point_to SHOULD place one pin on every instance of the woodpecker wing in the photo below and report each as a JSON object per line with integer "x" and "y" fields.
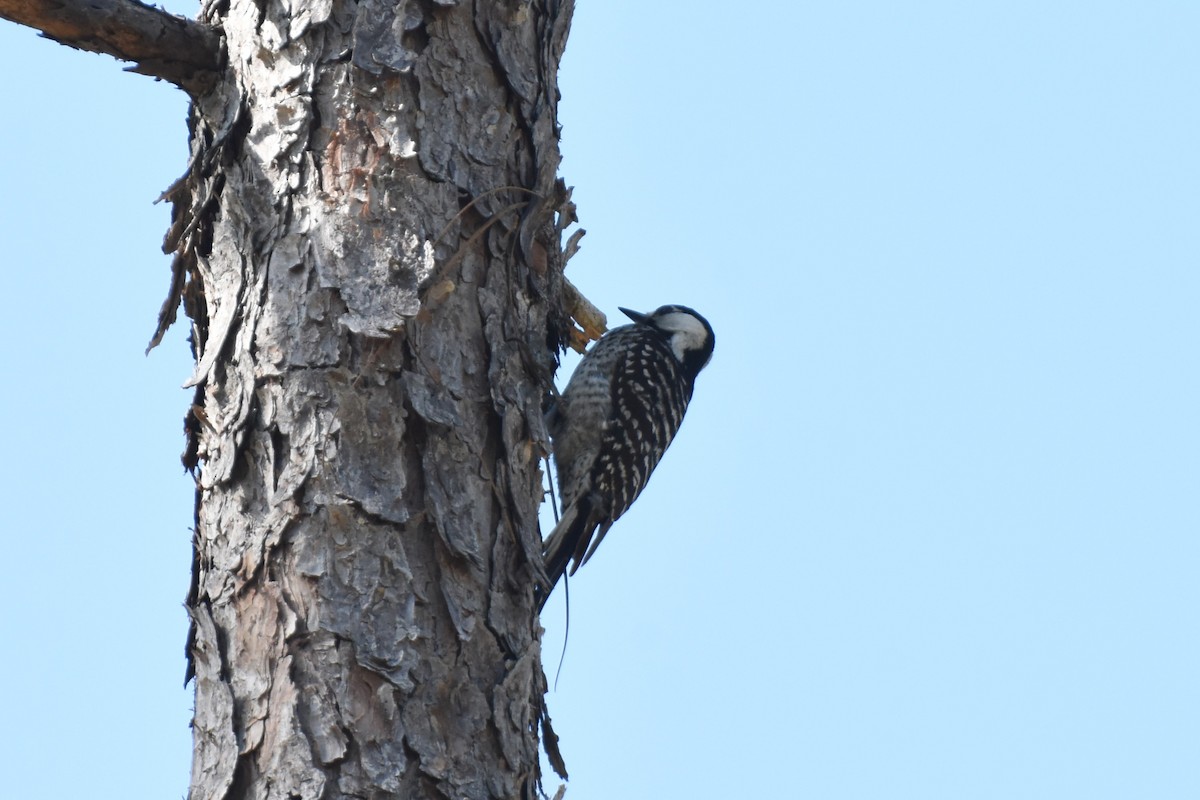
{"x": 649, "y": 397}
{"x": 582, "y": 412}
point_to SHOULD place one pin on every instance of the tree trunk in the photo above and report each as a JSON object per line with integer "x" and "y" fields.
{"x": 368, "y": 245}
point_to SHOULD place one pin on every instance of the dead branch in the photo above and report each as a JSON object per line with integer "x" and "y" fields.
{"x": 179, "y": 50}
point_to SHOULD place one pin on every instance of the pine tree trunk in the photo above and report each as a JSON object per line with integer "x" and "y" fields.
{"x": 368, "y": 246}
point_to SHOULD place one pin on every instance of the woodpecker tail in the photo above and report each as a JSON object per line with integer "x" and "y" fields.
{"x": 569, "y": 540}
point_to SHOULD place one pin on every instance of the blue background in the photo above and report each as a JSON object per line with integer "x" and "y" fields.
{"x": 930, "y": 528}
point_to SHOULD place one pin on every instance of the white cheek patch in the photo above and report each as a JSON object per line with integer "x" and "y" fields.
{"x": 688, "y": 334}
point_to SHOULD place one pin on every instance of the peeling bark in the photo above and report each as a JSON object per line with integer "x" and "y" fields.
{"x": 368, "y": 244}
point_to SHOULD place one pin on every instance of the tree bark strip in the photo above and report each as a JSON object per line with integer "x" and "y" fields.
{"x": 368, "y": 244}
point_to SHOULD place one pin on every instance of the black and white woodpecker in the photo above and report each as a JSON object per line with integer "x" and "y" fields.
{"x": 613, "y": 422}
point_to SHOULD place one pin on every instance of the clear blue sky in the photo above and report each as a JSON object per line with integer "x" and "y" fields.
{"x": 931, "y": 529}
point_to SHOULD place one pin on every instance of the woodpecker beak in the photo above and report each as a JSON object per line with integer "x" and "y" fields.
{"x": 636, "y": 316}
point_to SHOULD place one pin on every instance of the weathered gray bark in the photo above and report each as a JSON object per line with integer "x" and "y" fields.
{"x": 368, "y": 246}
{"x": 368, "y": 243}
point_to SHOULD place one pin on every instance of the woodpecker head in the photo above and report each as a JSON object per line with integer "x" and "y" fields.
{"x": 689, "y": 335}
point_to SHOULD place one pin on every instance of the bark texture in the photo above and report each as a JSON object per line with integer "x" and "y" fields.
{"x": 368, "y": 245}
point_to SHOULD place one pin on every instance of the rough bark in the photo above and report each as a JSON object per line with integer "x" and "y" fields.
{"x": 368, "y": 245}
{"x": 163, "y": 45}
